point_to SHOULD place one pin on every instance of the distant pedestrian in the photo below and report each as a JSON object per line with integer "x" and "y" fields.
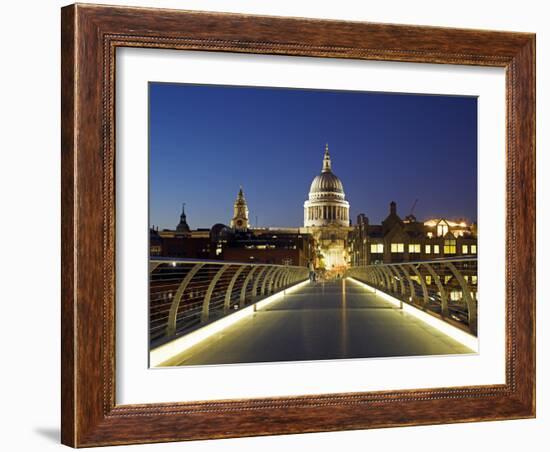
{"x": 311, "y": 272}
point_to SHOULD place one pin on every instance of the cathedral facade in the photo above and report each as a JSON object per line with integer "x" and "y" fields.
{"x": 326, "y": 218}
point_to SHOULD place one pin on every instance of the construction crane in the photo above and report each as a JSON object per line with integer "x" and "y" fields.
{"x": 413, "y": 206}
{"x": 410, "y": 218}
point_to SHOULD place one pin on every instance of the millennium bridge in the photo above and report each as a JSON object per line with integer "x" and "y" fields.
{"x": 216, "y": 312}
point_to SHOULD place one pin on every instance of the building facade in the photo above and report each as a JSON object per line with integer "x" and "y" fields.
{"x": 237, "y": 242}
{"x": 397, "y": 240}
{"x": 286, "y": 246}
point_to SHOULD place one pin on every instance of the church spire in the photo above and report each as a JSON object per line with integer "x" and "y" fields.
{"x": 327, "y": 166}
{"x": 183, "y": 226}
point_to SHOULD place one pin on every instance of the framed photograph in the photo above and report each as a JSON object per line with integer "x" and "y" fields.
{"x": 281, "y": 225}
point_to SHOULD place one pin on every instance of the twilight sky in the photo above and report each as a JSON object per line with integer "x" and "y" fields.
{"x": 207, "y": 140}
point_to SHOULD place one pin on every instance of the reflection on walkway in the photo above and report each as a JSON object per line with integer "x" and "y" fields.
{"x": 325, "y": 320}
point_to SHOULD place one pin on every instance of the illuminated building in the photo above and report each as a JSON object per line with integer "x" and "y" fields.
{"x": 326, "y": 217}
{"x": 327, "y": 239}
{"x": 326, "y": 205}
{"x": 397, "y": 240}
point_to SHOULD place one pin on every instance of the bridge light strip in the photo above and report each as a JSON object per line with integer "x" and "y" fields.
{"x": 164, "y": 354}
{"x": 453, "y": 332}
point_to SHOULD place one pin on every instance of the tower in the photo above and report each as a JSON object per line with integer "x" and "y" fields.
{"x": 239, "y": 222}
{"x": 183, "y": 227}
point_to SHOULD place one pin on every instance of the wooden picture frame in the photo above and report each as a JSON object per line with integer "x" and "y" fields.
{"x": 90, "y": 36}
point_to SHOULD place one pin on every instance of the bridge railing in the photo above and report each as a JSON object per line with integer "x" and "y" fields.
{"x": 446, "y": 287}
{"x": 187, "y": 294}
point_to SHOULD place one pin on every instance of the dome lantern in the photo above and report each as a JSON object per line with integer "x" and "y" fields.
{"x": 327, "y": 166}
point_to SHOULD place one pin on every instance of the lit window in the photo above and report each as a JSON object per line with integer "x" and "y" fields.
{"x": 436, "y": 249}
{"x": 449, "y": 247}
{"x": 428, "y": 279}
{"x": 442, "y": 229}
{"x": 464, "y": 249}
{"x": 414, "y": 248}
{"x": 456, "y": 295}
{"x": 428, "y": 249}
{"x": 397, "y": 247}
{"x": 473, "y": 249}
{"x": 377, "y": 248}
{"x": 474, "y": 279}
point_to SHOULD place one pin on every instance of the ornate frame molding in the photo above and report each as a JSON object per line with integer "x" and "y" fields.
{"x": 90, "y": 36}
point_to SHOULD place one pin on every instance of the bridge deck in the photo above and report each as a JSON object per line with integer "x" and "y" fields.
{"x": 339, "y": 319}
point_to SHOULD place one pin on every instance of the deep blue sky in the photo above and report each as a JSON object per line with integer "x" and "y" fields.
{"x": 205, "y": 141}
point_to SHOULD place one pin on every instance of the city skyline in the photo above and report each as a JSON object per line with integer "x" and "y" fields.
{"x": 206, "y": 141}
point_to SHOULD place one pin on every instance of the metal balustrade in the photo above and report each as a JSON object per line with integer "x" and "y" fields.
{"x": 187, "y": 294}
{"x": 446, "y": 287}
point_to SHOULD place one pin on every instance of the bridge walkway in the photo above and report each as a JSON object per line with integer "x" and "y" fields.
{"x": 323, "y": 320}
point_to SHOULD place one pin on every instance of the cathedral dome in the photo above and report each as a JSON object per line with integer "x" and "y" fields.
{"x": 326, "y": 182}
{"x": 327, "y": 205}
{"x": 326, "y": 185}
